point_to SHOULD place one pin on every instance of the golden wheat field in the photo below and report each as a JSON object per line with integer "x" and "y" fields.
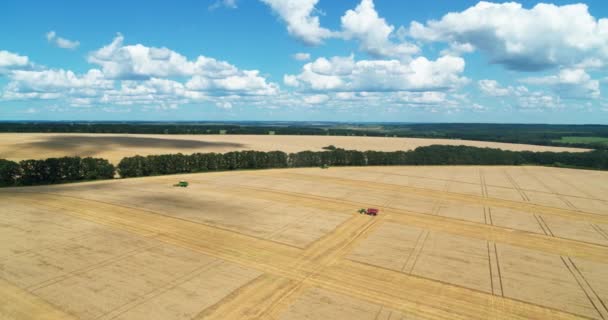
{"x": 20, "y": 146}
{"x": 460, "y": 242}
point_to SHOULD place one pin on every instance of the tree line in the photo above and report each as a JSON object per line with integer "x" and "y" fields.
{"x": 539, "y": 134}
{"x": 54, "y": 170}
{"x": 139, "y": 166}
{"x": 68, "y": 169}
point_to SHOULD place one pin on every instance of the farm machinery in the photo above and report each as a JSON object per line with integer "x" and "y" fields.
{"x": 369, "y": 211}
{"x": 181, "y": 184}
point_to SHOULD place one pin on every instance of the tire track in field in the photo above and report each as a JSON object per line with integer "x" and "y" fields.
{"x": 313, "y": 260}
{"x": 584, "y": 285}
{"x": 467, "y": 198}
{"x": 279, "y": 260}
{"x": 560, "y": 246}
{"x": 428, "y": 299}
{"x": 555, "y": 193}
{"x": 487, "y": 211}
{"x": 588, "y": 196}
{"x": 566, "y": 182}
{"x": 600, "y": 231}
{"x": 17, "y": 303}
{"x": 523, "y": 195}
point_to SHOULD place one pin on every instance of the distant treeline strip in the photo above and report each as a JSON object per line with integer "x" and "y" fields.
{"x": 54, "y": 170}
{"x": 539, "y": 134}
{"x": 139, "y": 166}
{"x": 69, "y": 169}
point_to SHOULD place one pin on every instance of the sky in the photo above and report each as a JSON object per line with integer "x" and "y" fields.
{"x": 305, "y": 60}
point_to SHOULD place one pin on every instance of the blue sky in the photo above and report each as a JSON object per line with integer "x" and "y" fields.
{"x": 349, "y": 60}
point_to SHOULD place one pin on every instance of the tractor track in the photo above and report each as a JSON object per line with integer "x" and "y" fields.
{"x": 287, "y": 264}
{"x": 467, "y": 198}
{"x": 562, "y": 246}
{"x": 587, "y": 197}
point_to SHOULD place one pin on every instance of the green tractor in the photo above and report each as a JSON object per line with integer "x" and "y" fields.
{"x": 181, "y": 184}
{"x": 325, "y": 166}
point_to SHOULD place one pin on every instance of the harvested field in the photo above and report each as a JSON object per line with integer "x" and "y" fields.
{"x": 20, "y": 146}
{"x": 464, "y": 242}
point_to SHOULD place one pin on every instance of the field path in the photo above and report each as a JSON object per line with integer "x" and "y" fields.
{"x": 282, "y": 275}
{"x": 286, "y": 268}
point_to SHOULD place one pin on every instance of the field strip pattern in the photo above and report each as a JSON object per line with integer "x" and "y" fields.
{"x": 530, "y": 207}
{"x": 296, "y": 268}
{"x": 282, "y": 273}
{"x": 20, "y": 304}
{"x": 449, "y": 225}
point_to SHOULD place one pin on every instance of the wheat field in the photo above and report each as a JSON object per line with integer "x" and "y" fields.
{"x": 114, "y": 147}
{"x": 454, "y": 242}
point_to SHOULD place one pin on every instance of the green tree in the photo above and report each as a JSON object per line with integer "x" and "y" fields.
{"x": 9, "y": 172}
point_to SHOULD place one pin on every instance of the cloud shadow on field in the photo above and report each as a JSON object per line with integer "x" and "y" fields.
{"x": 95, "y": 144}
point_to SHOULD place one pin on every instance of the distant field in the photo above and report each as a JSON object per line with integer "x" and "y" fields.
{"x": 450, "y": 242}
{"x": 584, "y": 140}
{"x": 19, "y": 146}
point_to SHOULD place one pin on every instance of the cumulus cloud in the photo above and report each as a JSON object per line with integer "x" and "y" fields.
{"x": 48, "y": 80}
{"x": 316, "y": 98}
{"x": 521, "y": 96}
{"x": 346, "y": 74}
{"x": 226, "y": 105}
{"x": 569, "y": 83}
{"x": 60, "y": 42}
{"x": 373, "y": 32}
{"x": 230, "y": 4}
{"x": 10, "y": 61}
{"x": 136, "y": 75}
{"x": 539, "y": 38}
{"x": 432, "y": 98}
{"x": 301, "y": 56}
{"x": 139, "y": 62}
{"x": 493, "y": 88}
{"x": 301, "y": 18}
{"x": 247, "y": 82}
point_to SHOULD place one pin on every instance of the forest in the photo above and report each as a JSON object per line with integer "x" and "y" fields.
{"x": 54, "y": 170}
{"x": 538, "y": 134}
{"x": 73, "y": 169}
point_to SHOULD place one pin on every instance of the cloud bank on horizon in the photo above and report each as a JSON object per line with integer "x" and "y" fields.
{"x": 541, "y": 59}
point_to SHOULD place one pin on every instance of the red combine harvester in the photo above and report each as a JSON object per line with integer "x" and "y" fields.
{"x": 369, "y": 211}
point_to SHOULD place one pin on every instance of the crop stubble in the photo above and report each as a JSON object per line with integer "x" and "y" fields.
{"x": 286, "y": 244}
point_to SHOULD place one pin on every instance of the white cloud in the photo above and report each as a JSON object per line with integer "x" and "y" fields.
{"x": 226, "y": 105}
{"x": 301, "y": 56}
{"x": 141, "y": 76}
{"x": 316, "y": 99}
{"x": 520, "y": 96}
{"x": 56, "y": 80}
{"x": 301, "y": 18}
{"x": 434, "y": 98}
{"x": 230, "y": 4}
{"x": 373, "y": 32}
{"x": 457, "y": 49}
{"x": 291, "y": 80}
{"x": 9, "y": 61}
{"x": 539, "y": 38}
{"x": 346, "y": 74}
{"x": 247, "y": 82}
{"x": 493, "y": 88}
{"x": 569, "y": 83}
{"x": 138, "y": 62}
{"x": 64, "y": 43}
{"x": 539, "y": 100}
